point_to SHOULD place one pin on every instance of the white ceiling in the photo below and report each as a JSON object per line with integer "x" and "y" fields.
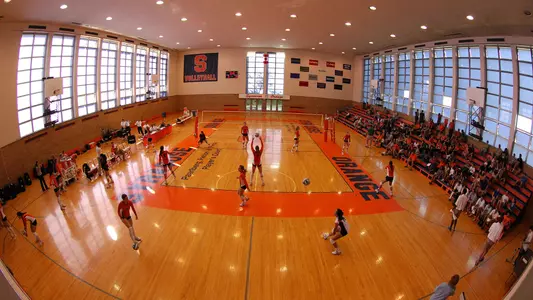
{"x": 267, "y": 20}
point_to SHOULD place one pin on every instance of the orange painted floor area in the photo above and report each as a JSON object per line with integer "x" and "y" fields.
{"x": 363, "y": 199}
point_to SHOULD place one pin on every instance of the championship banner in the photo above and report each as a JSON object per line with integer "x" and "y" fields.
{"x": 304, "y": 83}
{"x": 330, "y": 79}
{"x": 200, "y": 67}
{"x": 313, "y": 62}
{"x": 320, "y": 85}
{"x": 313, "y": 77}
{"x": 338, "y": 87}
{"x": 338, "y": 73}
{"x": 295, "y": 75}
{"x": 295, "y": 61}
{"x": 346, "y": 80}
{"x": 330, "y": 64}
{"x": 347, "y": 66}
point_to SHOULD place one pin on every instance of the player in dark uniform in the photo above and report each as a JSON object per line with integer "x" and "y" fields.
{"x": 340, "y": 230}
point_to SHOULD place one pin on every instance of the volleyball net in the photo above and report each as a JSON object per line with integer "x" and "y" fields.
{"x": 258, "y": 118}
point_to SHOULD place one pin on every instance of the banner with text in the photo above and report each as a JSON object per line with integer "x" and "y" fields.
{"x": 200, "y": 67}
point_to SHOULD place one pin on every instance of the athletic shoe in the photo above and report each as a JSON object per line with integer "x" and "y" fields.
{"x": 325, "y": 236}
{"x": 336, "y": 252}
{"x": 376, "y": 190}
{"x": 242, "y": 204}
{"x": 391, "y": 194}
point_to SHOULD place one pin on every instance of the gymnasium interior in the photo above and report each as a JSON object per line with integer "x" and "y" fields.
{"x": 385, "y": 110}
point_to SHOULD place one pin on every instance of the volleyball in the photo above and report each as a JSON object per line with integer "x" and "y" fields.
{"x": 257, "y": 134}
{"x": 306, "y": 181}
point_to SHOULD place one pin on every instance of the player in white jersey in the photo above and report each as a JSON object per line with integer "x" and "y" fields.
{"x": 389, "y": 177}
{"x": 27, "y": 218}
{"x": 340, "y": 229}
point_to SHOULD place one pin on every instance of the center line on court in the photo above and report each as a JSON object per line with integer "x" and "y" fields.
{"x": 249, "y": 258}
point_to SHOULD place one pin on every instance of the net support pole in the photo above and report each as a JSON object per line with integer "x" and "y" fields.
{"x": 326, "y": 129}
{"x": 196, "y": 126}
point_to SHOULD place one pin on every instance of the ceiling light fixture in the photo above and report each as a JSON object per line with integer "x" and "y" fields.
{"x": 320, "y": 43}
{"x": 7, "y": 1}
{"x": 392, "y": 35}
{"x": 210, "y": 40}
{"x": 293, "y": 16}
{"x": 159, "y": 2}
{"x": 470, "y": 17}
{"x": 284, "y": 40}
{"x": 160, "y": 36}
{"x": 331, "y": 34}
{"x": 348, "y": 24}
{"x": 109, "y": 18}
{"x": 64, "y": 6}
{"x": 287, "y": 29}
{"x": 244, "y": 28}
{"x": 238, "y": 14}
{"x": 188, "y": 47}
{"x": 177, "y": 43}
{"x": 200, "y": 30}
{"x": 281, "y": 46}
{"x": 424, "y": 27}
{"x": 343, "y": 52}
{"x": 183, "y": 19}
{"x": 312, "y": 48}
{"x": 248, "y": 38}
{"x": 354, "y": 48}
{"x": 218, "y": 45}
{"x": 372, "y": 7}
{"x": 139, "y": 28}
{"x": 371, "y": 43}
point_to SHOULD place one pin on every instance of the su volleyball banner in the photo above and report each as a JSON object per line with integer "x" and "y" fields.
{"x": 200, "y": 67}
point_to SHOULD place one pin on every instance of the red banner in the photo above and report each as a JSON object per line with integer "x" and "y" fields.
{"x": 330, "y": 64}
{"x": 304, "y": 83}
{"x": 313, "y": 62}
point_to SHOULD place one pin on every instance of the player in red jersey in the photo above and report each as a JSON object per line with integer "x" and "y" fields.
{"x": 57, "y": 189}
{"x": 5, "y": 222}
{"x": 257, "y": 161}
{"x": 33, "y": 226}
{"x": 244, "y": 132}
{"x": 346, "y": 145}
{"x": 124, "y": 213}
{"x": 164, "y": 158}
{"x": 389, "y": 177}
{"x": 243, "y": 185}
{"x": 296, "y": 139}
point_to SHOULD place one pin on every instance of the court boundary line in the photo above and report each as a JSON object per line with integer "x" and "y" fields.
{"x": 246, "y": 290}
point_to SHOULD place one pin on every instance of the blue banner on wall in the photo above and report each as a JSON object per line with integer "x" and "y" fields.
{"x": 338, "y": 73}
{"x": 295, "y": 75}
{"x": 330, "y": 79}
{"x": 347, "y": 66}
{"x": 320, "y": 85}
{"x": 346, "y": 80}
{"x": 295, "y": 61}
{"x": 200, "y": 67}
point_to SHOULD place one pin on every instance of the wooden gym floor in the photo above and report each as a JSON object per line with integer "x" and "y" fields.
{"x": 198, "y": 243}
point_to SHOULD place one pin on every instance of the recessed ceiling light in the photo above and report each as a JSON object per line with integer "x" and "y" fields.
{"x": 312, "y": 48}
{"x": 7, "y": 1}
{"x": 424, "y": 27}
{"x": 371, "y": 43}
{"x": 210, "y": 40}
{"x": 469, "y": 17}
{"x": 342, "y": 52}
{"x": 64, "y": 6}
{"x": 293, "y": 16}
{"x": 244, "y": 28}
{"x": 348, "y": 24}
{"x": 199, "y": 30}
{"x": 392, "y": 35}
{"x": 354, "y": 48}
{"x": 218, "y": 45}
{"x": 320, "y": 43}
{"x": 188, "y": 47}
{"x": 284, "y": 40}
{"x": 287, "y": 29}
{"x": 281, "y": 46}
{"x": 184, "y": 19}
{"x": 372, "y": 7}
{"x": 160, "y": 36}
{"x": 331, "y": 34}
{"x": 177, "y": 43}
{"x": 238, "y": 14}
{"x": 109, "y": 18}
{"x": 248, "y": 38}
{"x": 159, "y": 2}
{"x": 139, "y": 28}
